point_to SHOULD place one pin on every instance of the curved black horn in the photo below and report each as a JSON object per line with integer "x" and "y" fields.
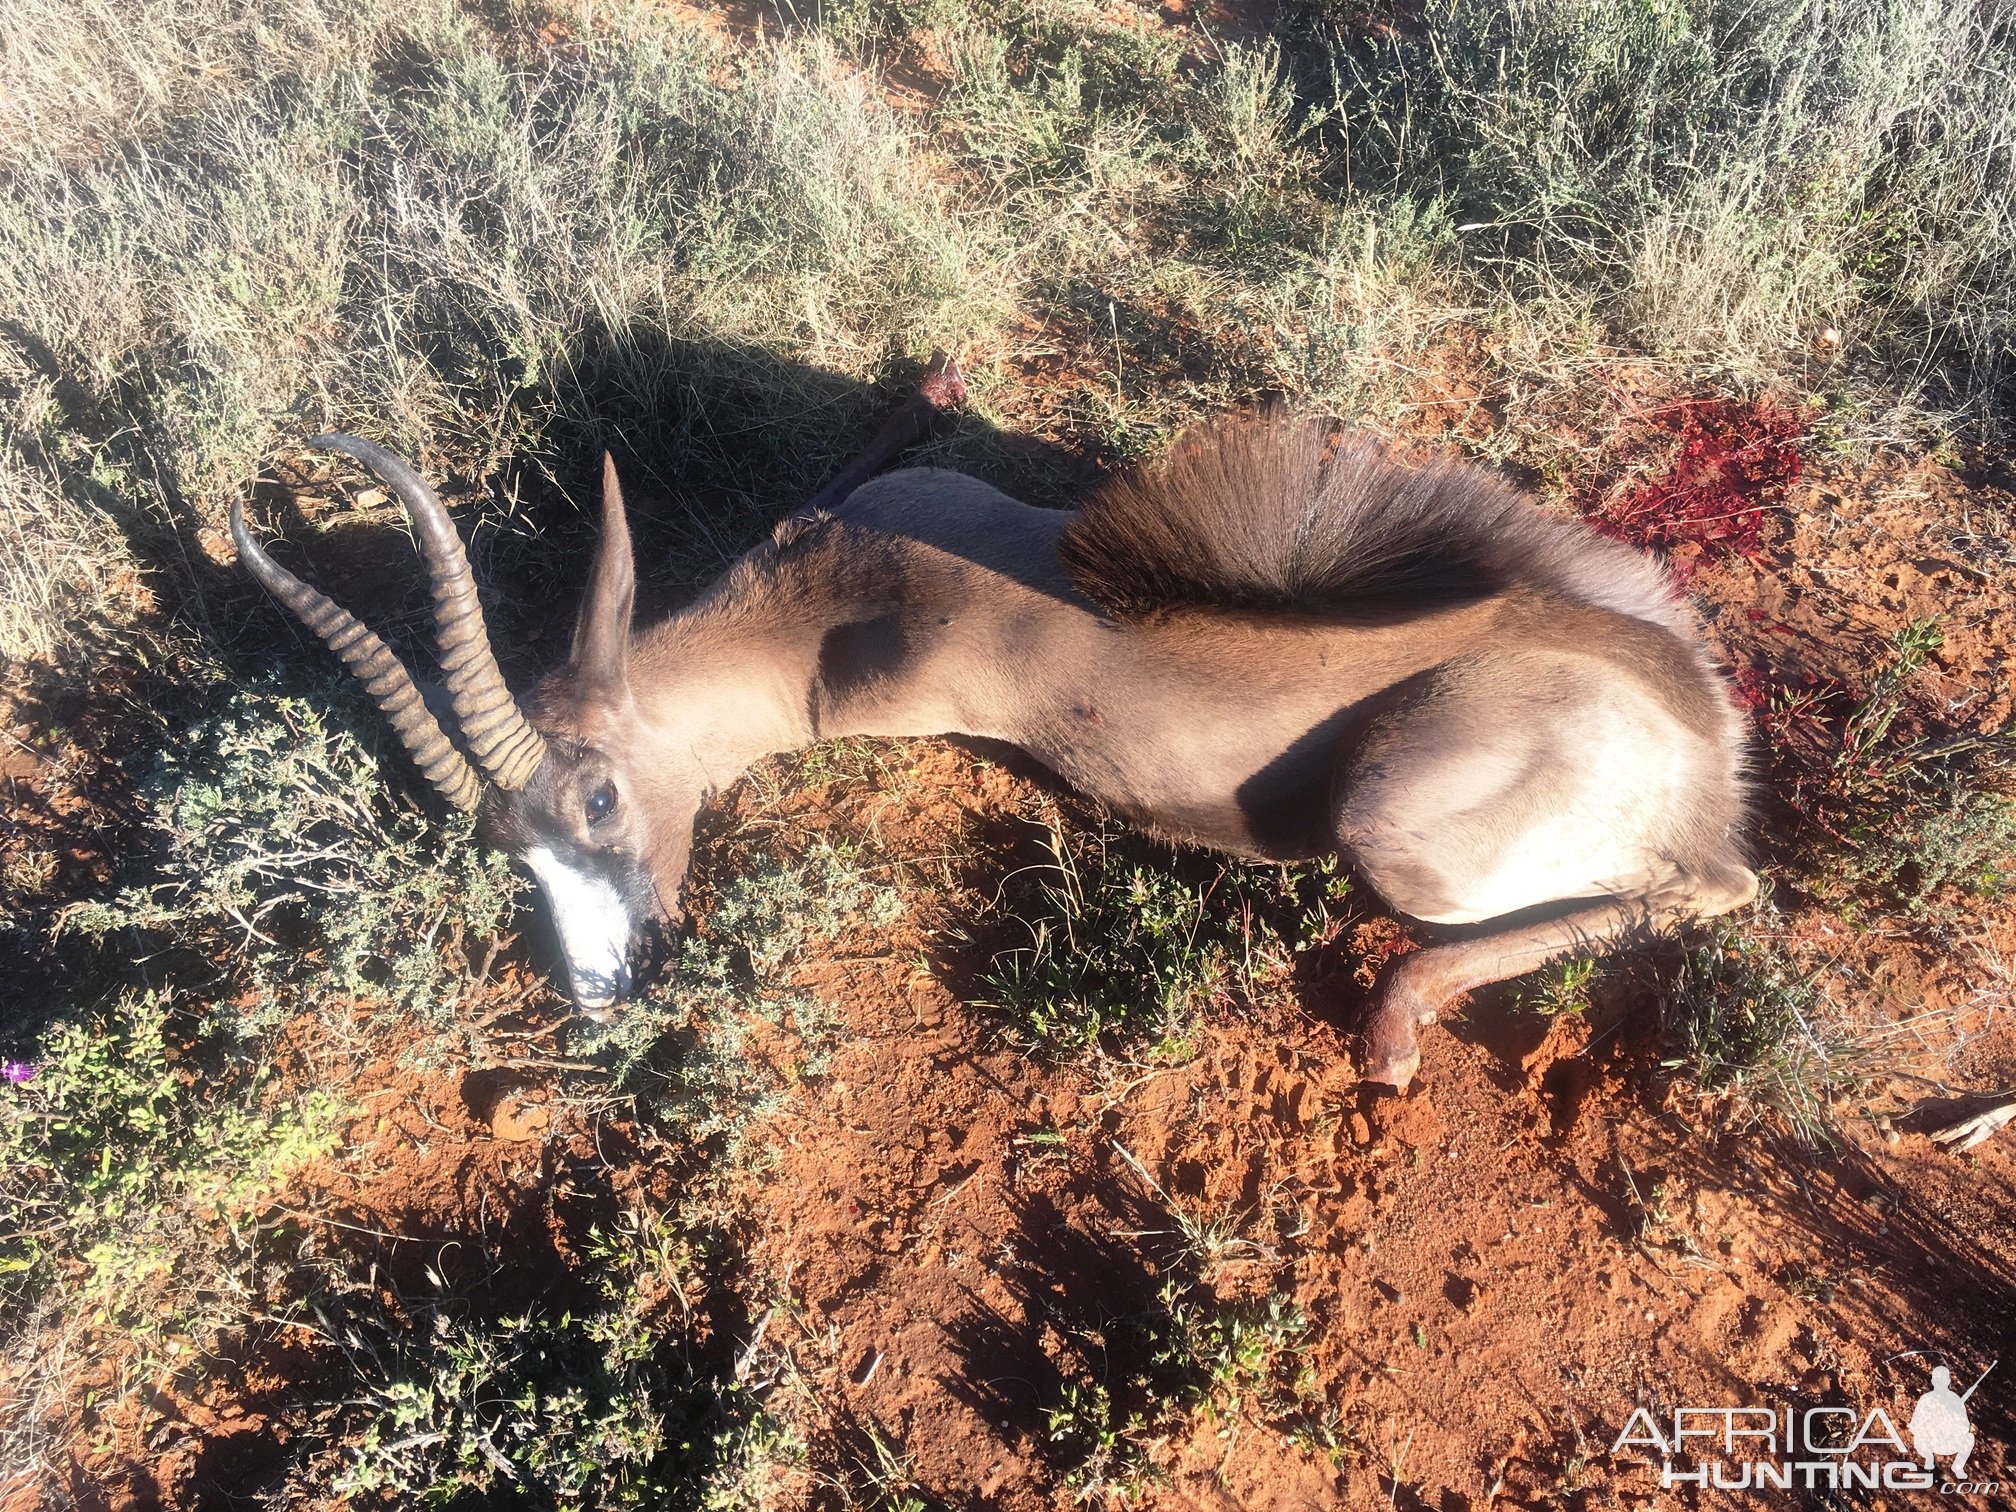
{"x": 495, "y": 729}
{"x": 374, "y": 665}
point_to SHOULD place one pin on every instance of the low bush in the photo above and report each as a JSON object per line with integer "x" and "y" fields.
{"x": 278, "y": 861}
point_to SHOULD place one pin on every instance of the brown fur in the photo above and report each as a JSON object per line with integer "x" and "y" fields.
{"x": 1272, "y": 514}
{"x": 1268, "y": 645}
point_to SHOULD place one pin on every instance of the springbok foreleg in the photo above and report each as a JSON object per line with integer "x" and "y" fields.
{"x": 941, "y": 391}
{"x": 1418, "y": 986}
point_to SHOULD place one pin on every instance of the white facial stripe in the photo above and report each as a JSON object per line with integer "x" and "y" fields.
{"x": 593, "y": 923}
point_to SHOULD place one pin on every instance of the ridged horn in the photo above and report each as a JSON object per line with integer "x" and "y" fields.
{"x": 493, "y": 727}
{"x": 384, "y": 677}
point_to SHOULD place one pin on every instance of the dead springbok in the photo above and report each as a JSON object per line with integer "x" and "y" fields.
{"x": 1274, "y": 644}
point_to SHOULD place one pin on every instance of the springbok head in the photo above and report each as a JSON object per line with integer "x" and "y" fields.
{"x": 550, "y": 788}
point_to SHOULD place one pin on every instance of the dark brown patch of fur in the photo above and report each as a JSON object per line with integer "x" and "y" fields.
{"x": 1263, "y": 514}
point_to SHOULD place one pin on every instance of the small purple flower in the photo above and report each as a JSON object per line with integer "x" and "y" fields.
{"x": 16, "y": 1072}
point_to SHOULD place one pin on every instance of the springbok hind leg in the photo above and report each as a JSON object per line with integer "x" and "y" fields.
{"x": 1417, "y": 986}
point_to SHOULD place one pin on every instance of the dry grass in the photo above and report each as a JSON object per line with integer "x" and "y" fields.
{"x": 227, "y": 226}
{"x": 1737, "y": 186}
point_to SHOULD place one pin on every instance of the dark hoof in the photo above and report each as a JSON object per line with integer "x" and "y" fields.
{"x": 1391, "y": 1056}
{"x": 1396, "y": 1072}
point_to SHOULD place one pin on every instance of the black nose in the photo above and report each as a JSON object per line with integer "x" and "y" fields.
{"x": 596, "y": 994}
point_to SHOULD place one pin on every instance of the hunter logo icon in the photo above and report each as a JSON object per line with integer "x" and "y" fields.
{"x": 1816, "y": 1446}
{"x": 1939, "y": 1425}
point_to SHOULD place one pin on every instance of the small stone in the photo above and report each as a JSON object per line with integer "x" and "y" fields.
{"x": 517, "y": 1120}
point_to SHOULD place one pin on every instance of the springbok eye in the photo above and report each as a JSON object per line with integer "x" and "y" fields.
{"x": 601, "y": 803}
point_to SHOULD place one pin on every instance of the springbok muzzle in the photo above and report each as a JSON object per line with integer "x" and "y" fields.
{"x": 594, "y": 926}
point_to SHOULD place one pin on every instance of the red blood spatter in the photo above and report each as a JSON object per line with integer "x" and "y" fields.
{"x": 1736, "y": 460}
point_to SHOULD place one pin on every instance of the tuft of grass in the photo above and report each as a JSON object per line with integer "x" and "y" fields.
{"x": 884, "y": 1479}
{"x": 1121, "y": 946}
{"x": 140, "y": 1171}
{"x": 1932, "y": 818}
{"x": 1235, "y": 1362}
{"x": 1871, "y": 759}
{"x": 1114, "y": 949}
{"x": 1958, "y": 839}
{"x": 279, "y": 865}
{"x": 1561, "y": 988}
{"x": 1757, "y": 1034}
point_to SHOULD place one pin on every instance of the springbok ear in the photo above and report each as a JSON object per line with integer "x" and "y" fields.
{"x": 602, "y": 633}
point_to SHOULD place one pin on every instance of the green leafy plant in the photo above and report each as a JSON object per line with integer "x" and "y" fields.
{"x": 1560, "y": 988}
{"x": 107, "y": 1157}
{"x": 1247, "y": 1359}
{"x": 1237, "y": 1363}
{"x": 1121, "y": 944}
{"x": 1104, "y": 1447}
{"x": 599, "y": 1405}
{"x": 684, "y": 1044}
{"x": 144, "y": 1176}
{"x": 567, "y": 1405}
{"x": 280, "y": 857}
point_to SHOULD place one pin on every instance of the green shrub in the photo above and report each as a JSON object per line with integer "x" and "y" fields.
{"x": 1560, "y": 988}
{"x": 597, "y": 1406}
{"x": 277, "y": 855}
{"x": 142, "y": 1178}
{"x": 684, "y": 1045}
{"x": 565, "y": 1404}
{"x": 1120, "y": 944}
{"x": 1954, "y": 835}
{"x": 115, "y": 1154}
